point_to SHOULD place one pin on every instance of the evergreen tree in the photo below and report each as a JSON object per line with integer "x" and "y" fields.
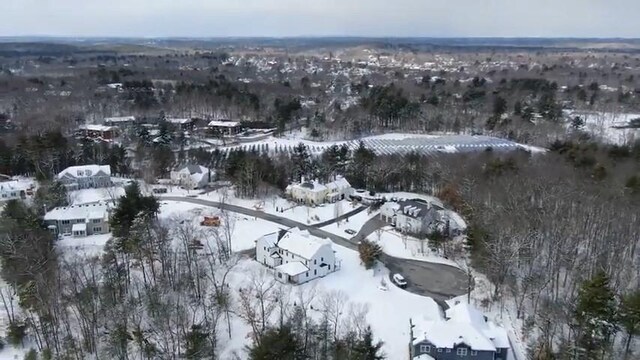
{"x": 301, "y": 161}
{"x": 365, "y": 349}
{"x": 131, "y": 206}
{"x": 277, "y": 344}
{"x": 197, "y": 346}
{"x": 629, "y": 316}
{"x": 369, "y": 253}
{"x": 595, "y": 314}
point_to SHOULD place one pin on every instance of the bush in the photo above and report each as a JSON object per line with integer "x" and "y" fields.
{"x": 16, "y": 333}
{"x": 369, "y": 253}
{"x": 31, "y": 355}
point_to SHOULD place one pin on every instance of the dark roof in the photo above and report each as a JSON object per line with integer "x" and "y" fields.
{"x": 422, "y": 208}
{"x": 307, "y": 185}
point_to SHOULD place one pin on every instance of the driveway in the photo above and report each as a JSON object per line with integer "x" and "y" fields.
{"x": 438, "y": 281}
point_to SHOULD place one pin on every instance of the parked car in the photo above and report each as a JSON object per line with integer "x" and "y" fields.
{"x": 399, "y": 280}
{"x": 350, "y": 231}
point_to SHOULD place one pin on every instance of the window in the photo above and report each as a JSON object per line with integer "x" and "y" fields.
{"x": 329, "y": 267}
{"x": 315, "y": 261}
{"x": 321, "y": 259}
{"x": 461, "y": 351}
{"x": 425, "y": 348}
{"x": 474, "y": 353}
{"x": 448, "y": 350}
{"x": 280, "y": 275}
{"x": 97, "y": 229}
{"x": 65, "y": 222}
{"x": 95, "y": 221}
{"x": 315, "y": 272}
{"x": 307, "y": 274}
{"x": 439, "y": 349}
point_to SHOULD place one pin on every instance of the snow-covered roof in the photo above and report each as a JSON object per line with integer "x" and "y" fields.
{"x": 178, "y": 121}
{"x": 292, "y": 268}
{"x": 464, "y": 325}
{"x": 79, "y": 227}
{"x": 94, "y": 127}
{"x": 85, "y": 171}
{"x": 15, "y": 185}
{"x": 424, "y": 357}
{"x": 310, "y": 186}
{"x": 301, "y": 243}
{"x": 118, "y": 119}
{"x": 97, "y": 210}
{"x": 340, "y": 183}
{"x": 193, "y": 169}
{"x": 229, "y": 124}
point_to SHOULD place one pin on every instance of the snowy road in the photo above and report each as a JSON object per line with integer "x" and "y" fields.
{"x": 438, "y": 281}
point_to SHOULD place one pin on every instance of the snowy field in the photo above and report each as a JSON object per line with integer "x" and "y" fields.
{"x": 389, "y": 310}
{"x": 601, "y": 125}
{"x": 406, "y": 247}
{"x": 392, "y": 144}
{"x": 94, "y": 195}
{"x": 285, "y": 208}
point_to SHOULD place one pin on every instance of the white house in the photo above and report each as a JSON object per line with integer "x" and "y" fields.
{"x": 314, "y": 192}
{"x": 296, "y": 256}
{"x": 14, "y": 190}
{"x": 80, "y": 220}
{"x": 192, "y": 176}
{"x": 86, "y": 177}
{"x": 414, "y": 216}
{"x": 464, "y": 332}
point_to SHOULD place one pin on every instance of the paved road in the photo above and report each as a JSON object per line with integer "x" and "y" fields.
{"x": 341, "y": 217}
{"x": 438, "y": 281}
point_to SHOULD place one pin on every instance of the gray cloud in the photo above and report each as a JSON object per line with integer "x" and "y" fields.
{"x": 202, "y": 18}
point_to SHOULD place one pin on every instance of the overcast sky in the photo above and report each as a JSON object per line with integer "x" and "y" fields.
{"x": 213, "y": 18}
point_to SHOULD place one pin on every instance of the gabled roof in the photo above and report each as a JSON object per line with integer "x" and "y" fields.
{"x": 301, "y": 243}
{"x": 193, "y": 169}
{"x": 464, "y": 325}
{"x": 339, "y": 183}
{"x": 293, "y": 268}
{"x": 97, "y": 210}
{"x": 83, "y": 171}
{"x": 178, "y": 121}
{"x": 227, "y": 124}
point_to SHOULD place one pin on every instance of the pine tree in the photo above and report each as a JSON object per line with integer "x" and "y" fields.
{"x": 365, "y": 349}
{"x": 197, "y": 346}
{"x": 277, "y": 344}
{"x": 595, "y": 314}
{"x": 630, "y": 317}
{"x": 369, "y": 253}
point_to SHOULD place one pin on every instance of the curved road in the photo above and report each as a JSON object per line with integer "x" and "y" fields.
{"x": 438, "y": 281}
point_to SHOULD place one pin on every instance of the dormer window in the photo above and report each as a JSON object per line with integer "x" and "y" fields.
{"x": 80, "y": 173}
{"x": 88, "y": 172}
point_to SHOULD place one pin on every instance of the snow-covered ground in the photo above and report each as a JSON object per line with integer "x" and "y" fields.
{"x": 285, "y": 208}
{"x": 601, "y": 125}
{"x": 389, "y": 311}
{"x": 406, "y": 247}
{"x": 93, "y": 195}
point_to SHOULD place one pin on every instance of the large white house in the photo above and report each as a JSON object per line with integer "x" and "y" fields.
{"x": 192, "y": 176}
{"x": 414, "y": 216}
{"x": 15, "y": 190}
{"x": 296, "y": 256}
{"x": 315, "y": 192}
{"x": 464, "y": 333}
{"x": 80, "y": 220}
{"x": 86, "y": 177}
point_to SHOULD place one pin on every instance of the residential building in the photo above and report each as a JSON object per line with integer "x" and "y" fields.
{"x": 120, "y": 121}
{"x": 192, "y": 176}
{"x": 417, "y": 216}
{"x": 85, "y": 177}
{"x": 181, "y": 123}
{"x": 314, "y": 192}
{"x": 225, "y": 127}
{"x": 98, "y": 132}
{"x": 80, "y": 220}
{"x": 15, "y": 190}
{"x": 464, "y": 333}
{"x": 296, "y": 256}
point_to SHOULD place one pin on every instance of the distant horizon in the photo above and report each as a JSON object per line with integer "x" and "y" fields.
{"x": 570, "y": 19}
{"x": 316, "y": 37}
